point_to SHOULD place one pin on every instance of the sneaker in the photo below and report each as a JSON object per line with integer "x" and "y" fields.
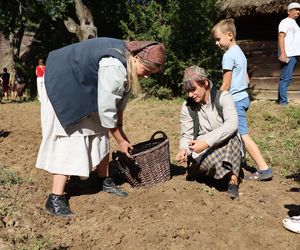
{"x": 110, "y": 187}
{"x": 260, "y": 175}
{"x": 233, "y": 191}
{"x": 58, "y": 205}
{"x": 292, "y": 224}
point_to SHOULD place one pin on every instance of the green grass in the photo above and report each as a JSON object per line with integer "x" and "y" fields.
{"x": 276, "y": 130}
{"x": 8, "y": 176}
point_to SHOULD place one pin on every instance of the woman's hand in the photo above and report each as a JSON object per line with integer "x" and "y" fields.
{"x": 122, "y": 140}
{"x": 182, "y": 156}
{"x": 126, "y": 148}
{"x": 198, "y": 146}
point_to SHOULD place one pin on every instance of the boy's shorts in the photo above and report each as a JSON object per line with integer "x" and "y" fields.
{"x": 241, "y": 108}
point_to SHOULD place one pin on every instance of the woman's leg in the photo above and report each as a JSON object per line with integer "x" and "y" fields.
{"x": 56, "y": 203}
{"x": 102, "y": 169}
{"x": 59, "y": 183}
{"x": 234, "y": 180}
{"x": 233, "y": 186}
{"x": 108, "y": 185}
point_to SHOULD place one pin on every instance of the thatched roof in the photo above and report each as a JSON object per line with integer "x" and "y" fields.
{"x": 236, "y": 8}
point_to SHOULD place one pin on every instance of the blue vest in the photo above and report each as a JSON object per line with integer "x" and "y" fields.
{"x": 71, "y": 77}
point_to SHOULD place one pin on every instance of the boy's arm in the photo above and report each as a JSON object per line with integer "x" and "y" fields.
{"x": 247, "y": 78}
{"x": 227, "y": 75}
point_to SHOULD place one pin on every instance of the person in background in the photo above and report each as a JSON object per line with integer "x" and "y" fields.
{"x": 209, "y": 130}
{"x": 1, "y": 90}
{"x": 20, "y": 86}
{"x": 13, "y": 85}
{"x": 288, "y": 49}
{"x": 87, "y": 86}
{"x": 5, "y": 82}
{"x": 39, "y": 71}
{"x": 235, "y": 80}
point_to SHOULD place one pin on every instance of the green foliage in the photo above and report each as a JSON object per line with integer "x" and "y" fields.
{"x": 184, "y": 27}
{"x": 30, "y": 16}
{"x": 107, "y": 16}
{"x": 151, "y": 89}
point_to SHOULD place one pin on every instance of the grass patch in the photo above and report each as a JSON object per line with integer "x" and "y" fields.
{"x": 8, "y": 176}
{"x": 37, "y": 243}
{"x": 276, "y": 130}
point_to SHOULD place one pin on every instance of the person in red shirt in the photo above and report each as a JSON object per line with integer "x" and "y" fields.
{"x": 39, "y": 71}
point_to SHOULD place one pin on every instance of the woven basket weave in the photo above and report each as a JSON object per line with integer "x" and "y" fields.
{"x": 150, "y": 164}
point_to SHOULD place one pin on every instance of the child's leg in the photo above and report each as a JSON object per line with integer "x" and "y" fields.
{"x": 254, "y": 152}
{"x": 251, "y": 147}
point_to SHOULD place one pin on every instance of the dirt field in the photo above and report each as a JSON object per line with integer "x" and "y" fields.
{"x": 174, "y": 215}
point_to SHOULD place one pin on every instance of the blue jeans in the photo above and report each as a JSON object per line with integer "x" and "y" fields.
{"x": 241, "y": 109}
{"x": 287, "y": 70}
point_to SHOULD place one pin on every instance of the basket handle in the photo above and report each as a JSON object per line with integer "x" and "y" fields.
{"x": 164, "y": 136}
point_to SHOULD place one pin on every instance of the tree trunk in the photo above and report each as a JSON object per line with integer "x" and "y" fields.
{"x": 86, "y": 29}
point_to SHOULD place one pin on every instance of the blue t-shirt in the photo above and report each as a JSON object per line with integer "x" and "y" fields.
{"x": 235, "y": 60}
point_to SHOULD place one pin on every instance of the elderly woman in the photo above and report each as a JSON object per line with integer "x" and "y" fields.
{"x": 87, "y": 86}
{"x": 209, "y": 124}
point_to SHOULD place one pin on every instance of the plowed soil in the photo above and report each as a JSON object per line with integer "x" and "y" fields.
{"x": 177, "y": 214}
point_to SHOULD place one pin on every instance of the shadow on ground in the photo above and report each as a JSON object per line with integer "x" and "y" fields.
{"x": 4, "y": 133}
{"x": 294, "y": 210}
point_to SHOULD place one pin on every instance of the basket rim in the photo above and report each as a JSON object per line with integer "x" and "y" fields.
{"x": 150, "y": 149}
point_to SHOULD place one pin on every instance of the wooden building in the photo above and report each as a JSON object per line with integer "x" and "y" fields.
{"x": 257, "y": 31}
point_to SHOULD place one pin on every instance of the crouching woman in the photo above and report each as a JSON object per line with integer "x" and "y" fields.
{"x": 209, "y": 125}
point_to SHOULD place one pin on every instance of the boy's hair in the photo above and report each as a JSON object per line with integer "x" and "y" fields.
{"x": 225, "y": 25}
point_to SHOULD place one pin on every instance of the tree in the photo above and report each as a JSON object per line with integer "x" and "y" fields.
{"x": 184, "y": 27}
{"x": 20, "y": 22}
{"x": 86, "y": 29}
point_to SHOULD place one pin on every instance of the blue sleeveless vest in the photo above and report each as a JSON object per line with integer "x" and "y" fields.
{"x": 71, "y": 76}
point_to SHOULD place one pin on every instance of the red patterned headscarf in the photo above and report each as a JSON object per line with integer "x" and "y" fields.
{"x": 194, "y": 73}
{"x": 153, "y": 52}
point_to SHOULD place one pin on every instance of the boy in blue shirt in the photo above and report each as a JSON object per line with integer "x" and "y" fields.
{"x": 235, "y": 80}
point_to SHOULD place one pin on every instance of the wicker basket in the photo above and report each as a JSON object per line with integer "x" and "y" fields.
{"x": 150, "y": 164}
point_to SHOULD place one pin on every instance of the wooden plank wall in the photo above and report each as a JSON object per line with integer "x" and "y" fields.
{"x": 264, "y": 68}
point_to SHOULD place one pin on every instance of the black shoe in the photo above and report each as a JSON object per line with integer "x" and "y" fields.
{"x": 233, "y": 191}
{"x": 58, "y": 205}
{"x": 110, "y": 187}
